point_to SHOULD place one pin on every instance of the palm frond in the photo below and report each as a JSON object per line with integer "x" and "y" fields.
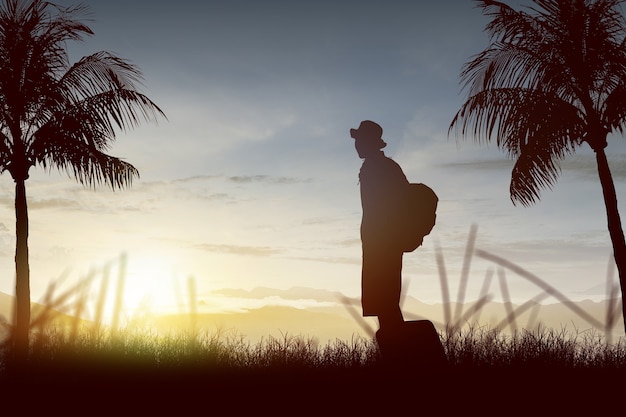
{"x": 535, "y": 169}
{"x": 533, "y": 126}
{"x": 125, "y": 108}
{"x": 482, "y": 115}
{"x": 5, "y": 152}
{"x": 89, "y": 127}
{"x": 510, "y": 115}
{"x": 99, "y": 83}
{"x": 615, "y": 109}
{"x": 95, "y": 120}
{"x": 83, "y": 110}
{"x": 97, "y": 73}
{"x": 551, "y": 78}
{"x": 33, "y": 36}
{"x": 87, "y": 164}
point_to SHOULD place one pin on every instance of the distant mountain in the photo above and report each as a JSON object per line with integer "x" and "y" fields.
{"x": 6, "y": 310}
{"x": 331, "y": 316}
{"x": 293, "y": 293}
{"x": 585, "y": 316}
{"x": 580, "y": 312}
{"x": 259, "y": 324}
{"x": 6, "y": 307}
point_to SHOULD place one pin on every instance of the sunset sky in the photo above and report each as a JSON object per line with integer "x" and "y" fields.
{"x": 252, "y": 179}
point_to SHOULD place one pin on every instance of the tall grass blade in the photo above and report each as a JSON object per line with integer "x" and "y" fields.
{"x": 506, "y": 297}
{"x": 541, "y": 284}
{"x": 53, "y": 305}
{"x": 193, "y": 308}
{"x": 79, "y": 305}
{"x": 484, "y": 290}
{"x": 611, "y": 292}
{"x": 533, "y": 316}
{"x": 443, "y": 280}
{"x": 477, "y": 306}
{"x": 119, "y": 295}
{"x": 180, "y": 301}
{"x": 532, "y": 303}
{"x": 467, "y": 260}
{"x": 102, "y": 296}
{"x": 348, "y": 304}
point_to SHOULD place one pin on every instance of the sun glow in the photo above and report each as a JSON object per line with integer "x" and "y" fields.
{"x": 149, "y": 285}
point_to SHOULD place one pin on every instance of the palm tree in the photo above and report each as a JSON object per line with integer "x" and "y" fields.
{"x": 552, "y": 79}
{"x": 57, "y": 114}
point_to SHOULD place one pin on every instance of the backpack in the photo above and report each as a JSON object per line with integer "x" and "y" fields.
{"x": 421, "y": 215}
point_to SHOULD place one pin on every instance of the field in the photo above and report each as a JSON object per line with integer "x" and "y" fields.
{"x": 534, "y": 370}
{"x": 491, "y": 370}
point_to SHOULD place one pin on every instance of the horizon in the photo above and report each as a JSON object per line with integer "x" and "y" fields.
{"x": 331, "y": 315}
{"x": 326, "y": 321}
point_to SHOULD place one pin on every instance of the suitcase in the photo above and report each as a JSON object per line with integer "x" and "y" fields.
{"x": 414, "y": 344}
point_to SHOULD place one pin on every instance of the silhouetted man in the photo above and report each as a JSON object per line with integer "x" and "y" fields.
{"x": 383, "y": 189}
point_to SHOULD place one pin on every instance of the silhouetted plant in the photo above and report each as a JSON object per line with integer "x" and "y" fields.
{"x": 541, "y": 349}
{"x": 552, "y": 79}
{"x": 213, "y": 356}
{"x": 58, "y": 114}
{"x": 64, "y": 345}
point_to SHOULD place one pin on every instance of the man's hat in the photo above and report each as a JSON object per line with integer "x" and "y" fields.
{"x": 370, "y": 131}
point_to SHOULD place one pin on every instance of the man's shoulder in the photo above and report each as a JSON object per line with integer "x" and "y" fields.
{"x": 390, "y": 163}
{"x": 379, "y": 160}
{"x": 382, "y": 166}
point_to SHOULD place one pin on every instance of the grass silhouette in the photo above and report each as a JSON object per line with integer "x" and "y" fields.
{"x": 89, "y": 353}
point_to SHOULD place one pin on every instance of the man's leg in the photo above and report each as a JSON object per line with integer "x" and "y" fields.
{"x": 390, "y": 318}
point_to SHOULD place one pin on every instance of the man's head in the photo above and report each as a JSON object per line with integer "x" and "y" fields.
{"x": 368, "y": 138}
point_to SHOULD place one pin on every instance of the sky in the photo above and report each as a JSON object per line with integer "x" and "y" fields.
{"x": 252, "y": 180}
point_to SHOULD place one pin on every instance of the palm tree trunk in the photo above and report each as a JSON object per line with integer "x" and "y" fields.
{"x": 22, "y": 273}
{"x": 614, "y": 223}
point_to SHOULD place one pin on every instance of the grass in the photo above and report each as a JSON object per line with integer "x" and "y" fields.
{"x": 134, "y": 349}
{"x": 556, "y": 370}
{"x": 473, "y": 348}
{"x": 543, "y": 349}
{"x": 80, "y": 355}
{"x": 560, "y": 371}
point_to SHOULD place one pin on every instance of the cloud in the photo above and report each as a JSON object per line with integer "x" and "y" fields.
{"x": 481, "y": 164}
{"x": 7, "y": 201}
{"x": 246, "y": 179}
{"x": 294, "y": 293}
{"x": 208, "y": 192}
{"x": 332, "y": 260}
{"x": 54, "y": 203}
{"x": 320, "y": 221}
{"x": 239, "y": 249}
{"x": 348, "y": 243}
{"x": 190, "y": 179}
{"x": 238, "y": 179}
{"x": 582, "y": 164}
{"x": 585, "y": 166}
{"x": 69, "y": 198}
